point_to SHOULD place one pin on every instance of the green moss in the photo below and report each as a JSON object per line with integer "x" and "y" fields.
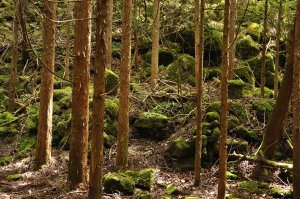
{"x": 212, "y": 46}
{"x": 135, "y": 88}
{"x": 235, "y": 89}
{"x": 246, "y": 47}
{"x": 243, "y": 132}
{"x": 255, "y": 31}
{"x": 118, "y": 182}
{"x": 6, "y": 160}
{"x": 32, "y": 121}
{"x": 26, "y": 145}
{"x": 59, "y": 94}
{"x": 172, "y": 189}
{"x": 111, "y": 108}
{"x": 145, "y": 179}
{"x": 143, "y": 195}
{"x": 182, "y": 70}
{"x": 180, "y": 148}
{"x": 151, "y": 120}
{"x": 171, "y": 108}
{"x": 111, "y": 127}
{"x": 277, "y": 192}
{"x": 212, "y": 116}
{"x": 233, "y": 122}
{"x": 237, "y": 109}
{"x": 263, "y": 108}
{"x": 231, "y": 176}
{"x": 111, "y": 82}
{"x": 215, "y": 123}
{"x": 191, "y": 197}
{"x": 237, "y": 145}
{"x": 14, "y": 177}
{"x": 109, "y": 140}
{"x": 213, "y": 73}
{"x": 252, "y": 187}
{"x": 256, "y": 92}
{"x": 10, "y": 129}
{"x": 214, "y": 107}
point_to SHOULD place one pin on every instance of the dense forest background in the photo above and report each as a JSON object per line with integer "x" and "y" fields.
{"x": 163, "y": 111}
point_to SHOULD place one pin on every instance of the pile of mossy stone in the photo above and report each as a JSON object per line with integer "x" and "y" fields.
{"x": 127, "y": 182}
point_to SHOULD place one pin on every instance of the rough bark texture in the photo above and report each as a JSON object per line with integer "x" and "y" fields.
{"x": 278, "y": 33}
{"x": 14, "y": 61}
{"x": 199, "y": 47}
{"x": 25, "y": 45}
{"x": 232, "y": 39}
{"x": 296, "y": 107}
{"x": 44, "y": 137}
{"x": 224, "y": 103}
{"x": 155, "y": 43}
{"x": 109, "y": 34}
{"x": 96, "y": 166}
{"x": 273, "y": 129}
{"x": 80, "y": 96}
{"x": 123, "y": 116}
{"x": 68, "y": 41}
{"x": 263, "y": 52}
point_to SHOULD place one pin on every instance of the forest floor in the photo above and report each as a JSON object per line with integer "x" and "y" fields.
{"x": 50, "y": 181}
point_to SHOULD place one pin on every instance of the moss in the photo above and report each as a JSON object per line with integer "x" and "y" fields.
{"x": 277, "y": 192}
{"x": 213, "y": 73}
{"x": 212, "y": 46}
{"x": 235, "y": 89}
{"x": 237, "y": 145}
{"x": 171, "y": 108}
{"x": 172, "y": 189}
{"x": 111, "y": 127}
{"x": 14, "y": 177}
{"x": 233, "y": 122}
{"x": 237, "y": 109}
{"x": 252, "y": 187}
{"x": 151, "y": 120}
{"x": 214, "y": 136}
{"x": 59, "y": 94}
{"x": 6, "y": 160}
{"x": 145, "y": 179}
{"x": 118, "y": 182}
{"x": 191, "y": 197}
{"x": 109, "y": 140}
{"x": 111, "y": 108}
{"x": 143, "y": 195}
{"x": 10, "y": 129}
{"x": 180, "y": 148}
{"x": 214, "y": 107}
{"x": 243, "y": 132}
{"x": 212, "y": 116}
{"x": 182, "y": 70}
{"x": 26, "y": 145}
{"x": 32, "y": 121}
{"x": 231, "y": 176}
{"x": 255, "y": 31}
{"x": 215, "y": 123}
{"x": 257, "y": 93}
{"x": 263, "y": 108}
{"x": 135, "y": 88}
{"x": 111, "y": 82}
{"x": 246, "y": 47}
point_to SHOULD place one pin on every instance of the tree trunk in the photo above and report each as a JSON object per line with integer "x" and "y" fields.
{"x": 277, "y": 49}
{"x": 101, "y": 58}
{"x": 296, "y": 107}
{"x": 14, "y": 61}
{"x": 232, "y": 39}
{"x": 43, "y": 147}
{"x": 224, "y": 103}
{"x": 80, "y": 95}
{"x": 263, "y": 53}
{"x": 25, "y": 45}
{"x": 273, "y": 129}
{"x": 123, "y": 115}
{"x": 109, "y": 34}
{"x": 155, "y": 43}
{"x": 68, "y": 41}
{"x": 199, "y": 47}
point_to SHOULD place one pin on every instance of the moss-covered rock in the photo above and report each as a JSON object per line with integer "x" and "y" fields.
{"x": 26, "y": 145}
{"x": 172, "y": 189}
{"x": 111, "y": 82}
{"x": 118, "y": 182}
{"x": 152, "y": 125}
{"x": 11, "y": 128}
{"x": 263, "y": 108}
{"x": 109, "y": 140}
{"x": 5, "y": 160}
{"x": 246, "y": 47}
{"x": 237, "y": 145}
{"x": 59, "y": 94}
{"x": 214, "y": 107}
{"x": 111, "y": 108}
{"x": 235, "y": 89}
{"x": 255, "y": 31}
{"x": 277, "y": 192}
{"x": 181, "y": 148}
{"x": 213, "y": 73}
{"x": 145, "y": 179}
{"x": 233, "y": 122}
{"x": 212, "y": 116}
{"x": 237, "y": 108}
{"x": 182, "y": 70}
{"x": 246, "y": 134}
{"x": 253, "y": 187}
{"x": 14, "y": 177}
{"x": 245, "y": 74}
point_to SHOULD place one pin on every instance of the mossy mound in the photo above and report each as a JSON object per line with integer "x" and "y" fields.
{"x": 111, "y": 82}
{"x": 237, "y": 145}
{"x": 26, "y": 145}
{"x": 5, "y": 160}
{"x": 255, "y": 31}
{"x": 118, "y": 182}
{"x": 244, "y": 133}
{"x": 152, "y": 125}
{"x": 11, "y": 128}
{"x": 231, "y": 176}
{"x": 212, "y": 116}
{"x": 143, "y": 179}
{"x": 277, "y": 192}
{"x": 182, "y": 70}
{"x": 246, "y": 47}
{"x": 253, "y": 187}
{"x": 235, "y": 89}
{"x": 263, "y": 108}
{"x": 14, "y": 177}
{"x": 233, "y": 122}
{"x": 245, "y": 74}
{"x": 213, "y": 73}
{"x": 180, "y": 148}
{"x": 171, "y": 189}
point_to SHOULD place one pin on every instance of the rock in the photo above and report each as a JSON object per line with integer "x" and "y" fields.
{"x": 244, "y": 133}
{"x": 246, "y": 47}
{"x": 237, "y": 145}
{"x": 212, "y": 116}
{"x": 118, "y": 182}
{"x": 235, "y": 89}
{"x": 111, "y": 82}
{"x": 180, "y": 148}
{"x": 214, "y": 107}
{"x": 145, "y": 179}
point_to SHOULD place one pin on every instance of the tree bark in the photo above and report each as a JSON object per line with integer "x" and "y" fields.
{"x": 224, "y": 103}
{"x": 80, "y": 95}
{"x": 123, "y": 115}
{"x": 109, "y": 34}
{"x": 278, "y": 33}
{"x": 232, "y": 39}
{"x": 199, "y": 47}
{"x": 43, "y": 147}
{"x": 296, "y": 107}
{"x": 101, "y": 59}
{"x": 14, "y": 61}
{"x": 68, "y": 40}
{"x": 263, "y": 53}
{"x": 155, "y": 43}
{"x": 25, "y": 45}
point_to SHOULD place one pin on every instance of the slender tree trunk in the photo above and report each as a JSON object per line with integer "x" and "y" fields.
{"x": 44, "y": 137}
{"x": 68, "y": 40}
{"x": 135, "y": 35}
{"x": 109, "y": 34}
{"x": 296, "y": 107}
{"x": 101, "y": 58}
{"x": 224, "y": 103}
{"x": 25, "y": 45}
{"x": 14, "y": 61}
{"x": 80, "y": 95}
{"x": 155, "y": 43}
{"x": 232, "y": 39}
{"x": 123, "y": 116}
{"x": 263, "y": 53}
{"x": 273, "y": 129}
{"x": 199, "y": 47}
{"x": 277, "y": 50}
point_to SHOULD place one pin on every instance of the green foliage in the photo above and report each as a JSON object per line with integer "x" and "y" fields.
{"x": 59, "y": 94}
{"x": 171, "y": 108}
{"x": 109, "y": 140}
{"x": 214, "y": 107}
{"x": 9, "y": 129}
{"x": 111, "y": 108}
{"x": 14, "y": 177}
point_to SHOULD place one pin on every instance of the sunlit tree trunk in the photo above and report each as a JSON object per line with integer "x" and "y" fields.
{"x": 101, "y": 58}
{"x": 68, "y": 40}
{"x": 123, "y": 115}
{"x": 80, "y": 95}
{"x": 14, "y": 60}
{"x": 199, "y": 47}
{"x": 224, "y": 103}
{"x": 155, "y": 43}
{"x": 296, "y": 107}
{"x": 44, "y": 137}
{"x": 232, "y": 39}
{"x": 277, "y": 49}
{"x": 263, "y": 53}
{"x": 109, "y": 34}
